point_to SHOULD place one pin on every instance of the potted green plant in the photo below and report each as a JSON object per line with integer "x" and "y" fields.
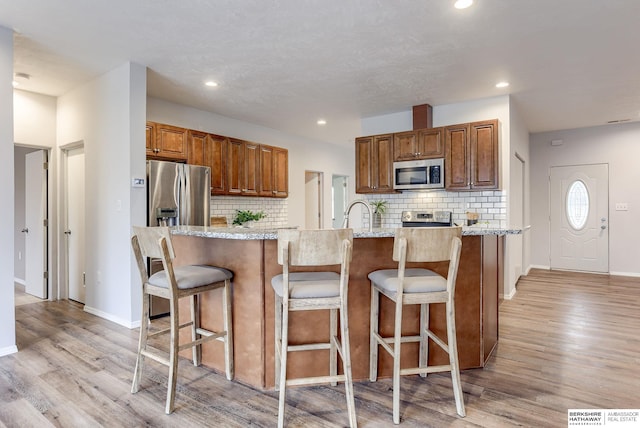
{"x": 247, "y": 216}
{"x": 379, "y": 208}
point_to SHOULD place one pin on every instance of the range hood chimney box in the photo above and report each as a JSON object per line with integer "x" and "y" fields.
{"x": 422, "y": 116}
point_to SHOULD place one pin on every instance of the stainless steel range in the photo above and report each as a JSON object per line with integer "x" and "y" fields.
{"x": 426, "y": 218}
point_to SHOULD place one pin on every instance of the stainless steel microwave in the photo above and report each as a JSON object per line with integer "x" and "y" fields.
{"x": 419, "y": 174}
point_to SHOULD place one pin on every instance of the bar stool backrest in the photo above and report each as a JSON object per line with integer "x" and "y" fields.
{"x": 148, "y": 239}
{"x": 425, "y": 244}
{"x": 313, "y": 247}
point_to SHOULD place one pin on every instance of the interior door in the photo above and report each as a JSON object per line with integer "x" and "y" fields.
{"x": 35, "y": 226}
{"x": 579, "y": 218}
{"x": 313, "y": 211}
{"x": 75, "y": 230}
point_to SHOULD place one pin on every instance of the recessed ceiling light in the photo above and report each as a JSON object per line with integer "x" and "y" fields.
{"x": 321, "y": 122}
{"x": 463, "y": 4}
{"x": 502, "y": 84}
{"x": 211, "y": 84}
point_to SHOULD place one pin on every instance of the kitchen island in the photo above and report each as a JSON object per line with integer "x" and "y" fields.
{"x": 252, "y": 256}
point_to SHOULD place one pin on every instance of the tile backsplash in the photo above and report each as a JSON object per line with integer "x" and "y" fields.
{"x": 275, "y": 208}
{"x": 490, "y": 205}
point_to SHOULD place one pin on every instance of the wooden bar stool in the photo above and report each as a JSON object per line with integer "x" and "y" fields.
{"x": 174, "y": 283}
{"x": 303, "y": 291}
{"x": 418, "y": 287}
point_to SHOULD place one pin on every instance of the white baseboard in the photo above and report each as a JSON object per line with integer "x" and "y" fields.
{"x": 20, "y": 281}
{"x": 632, "y": 274}
{"x": 8, "y": 350}
{"x": 112, "y": 318}
{"x": 510, "y": 295}
{"x": 539, "y": 267}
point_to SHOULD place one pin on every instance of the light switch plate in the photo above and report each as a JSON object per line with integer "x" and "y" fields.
{"x": 621, "y": 206}
{"x": 137, "y": 182}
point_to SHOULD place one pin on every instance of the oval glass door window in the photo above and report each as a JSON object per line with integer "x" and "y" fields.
{"x": 577, "y": 205}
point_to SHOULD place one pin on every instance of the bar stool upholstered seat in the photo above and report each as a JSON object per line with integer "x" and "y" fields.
{"x": 412, "y": 287}
{"x": 303, "y": 291}
{"x": 173, "y": 283}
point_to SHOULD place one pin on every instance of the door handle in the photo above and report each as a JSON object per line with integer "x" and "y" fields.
{"x": 25, "y": 230}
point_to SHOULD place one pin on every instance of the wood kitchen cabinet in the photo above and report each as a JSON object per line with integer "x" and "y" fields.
{"x": 209, "y": 150}
{"x": 374, "y": 164}
{"x": 471, "y": 157}
{"x": 243, "y": 168}
{"x": 418, "y": 144}
{"x": 166, "y": 142}
{"x": 274, "y": 170}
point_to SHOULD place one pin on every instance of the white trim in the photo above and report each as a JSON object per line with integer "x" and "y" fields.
{"x": 539, "y": 267}
{"x": 19, "y": 281}
{"x": 8, "y": 350}
{"x": 510, "y": 295}
{"x": 632, "y": 274}
{"x": 112, "y": 318}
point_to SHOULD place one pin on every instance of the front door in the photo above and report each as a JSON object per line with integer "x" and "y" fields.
{"x": 579, "y": 201}
{"x": 35, "y": 224}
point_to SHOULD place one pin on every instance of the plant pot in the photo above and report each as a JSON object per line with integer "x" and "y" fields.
{"x": 377, "y": 220}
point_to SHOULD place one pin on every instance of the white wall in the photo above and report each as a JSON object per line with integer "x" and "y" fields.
{"x": 108, "y": 114}
{"x": 34, "y": 127}
{"x": 616, "y": 145}
{"x": 304, "y": 154}
{"x": 7, "y": 309}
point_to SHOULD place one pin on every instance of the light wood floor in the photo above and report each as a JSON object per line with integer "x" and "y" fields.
{"x": 567, "y": 340}
{"x": 22, "y": 298}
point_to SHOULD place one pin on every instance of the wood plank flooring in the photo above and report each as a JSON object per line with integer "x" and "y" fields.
{"x": 567, "y": 340}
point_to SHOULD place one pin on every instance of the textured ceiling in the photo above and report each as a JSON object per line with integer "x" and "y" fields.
{"x": 285, "y": 63}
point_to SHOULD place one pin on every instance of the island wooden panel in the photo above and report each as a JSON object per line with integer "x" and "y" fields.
{"x": 254, "y": 263}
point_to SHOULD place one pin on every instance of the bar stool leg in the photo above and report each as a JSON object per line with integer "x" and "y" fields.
{"x": 373, "y": 341}
{"x": 194, "y": 305}
{"x": 278, "y": 340}
{"x": 453, "y": 358}
{"x": 424, "y": 339}
{"x": 227, "y": 311}
{"x": 333, "y": 351}
{"x": 142, "y": 343}
{"x": 346, "y": 366}
{"x": 283, "y": 365}
{"x": 397, "y": 340}
{"x": 173, "y": 357}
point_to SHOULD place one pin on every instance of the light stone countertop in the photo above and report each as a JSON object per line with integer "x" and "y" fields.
{"x": 246, "y": 234}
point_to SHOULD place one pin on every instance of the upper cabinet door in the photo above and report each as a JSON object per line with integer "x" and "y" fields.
{"x": 405, "y": 146}
{"x": 267, "y": 184}
{"x": 456, "y": 169}
{"x": 235, "y": 166}
{"x": 170, "y": 142}
{"x": 280, "y": 172}
{"x": 251, "y": 169}
{"x": 218, "y": 161}
{"x": 374, "y": 164}
{"x": 151, "y": 138}
{"x": 484, "y": 155}
{"x": 418, "y": 144}
{"x": 431, "y": 143}
{"x": 198, "y": 148}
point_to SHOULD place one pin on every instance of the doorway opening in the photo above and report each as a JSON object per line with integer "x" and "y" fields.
{"x": 313, "y": 200}
{"x": 339, "y": 199}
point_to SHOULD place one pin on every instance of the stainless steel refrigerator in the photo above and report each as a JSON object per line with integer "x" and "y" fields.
{"x": 177, "y": 194}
